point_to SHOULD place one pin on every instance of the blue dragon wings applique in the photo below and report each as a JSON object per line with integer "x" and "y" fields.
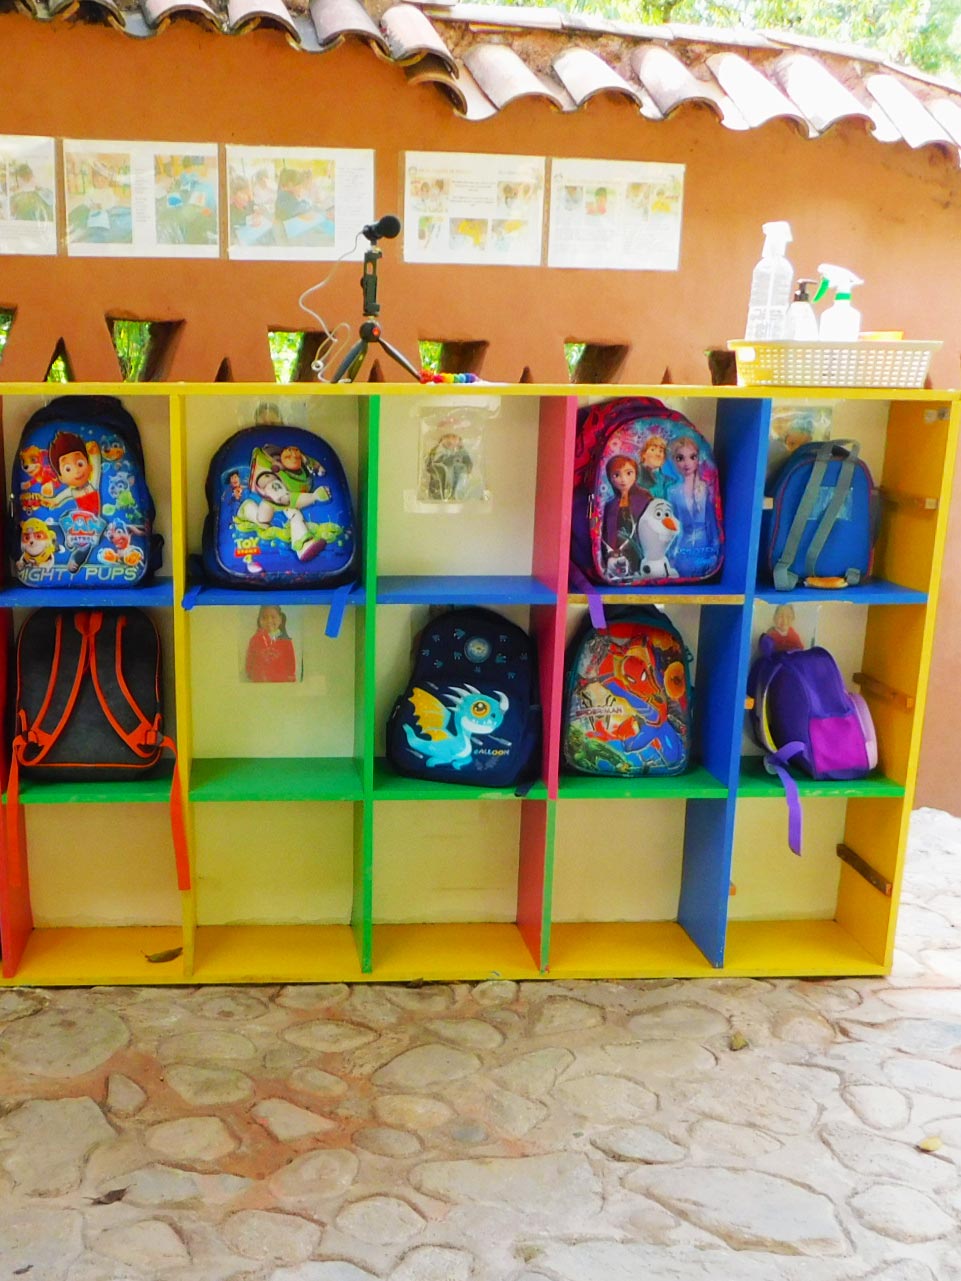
{"x": 449, "y": 730}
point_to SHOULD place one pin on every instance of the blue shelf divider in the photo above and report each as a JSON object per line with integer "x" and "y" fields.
{"x": 159, "y": 593}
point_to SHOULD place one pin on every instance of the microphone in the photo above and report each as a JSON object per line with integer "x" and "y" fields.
{"x": 385, "y": 228}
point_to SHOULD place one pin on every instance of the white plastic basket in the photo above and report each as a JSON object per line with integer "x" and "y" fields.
{"x": 793, "y": 363}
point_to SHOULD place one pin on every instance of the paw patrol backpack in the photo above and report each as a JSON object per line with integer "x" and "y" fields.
{"x": 647, "y": 500}
{"x": 627, "y": 702}
{"x": 279, "y": 512}
{"x": 82, "y": 515}
{"x": 471, "y": 712}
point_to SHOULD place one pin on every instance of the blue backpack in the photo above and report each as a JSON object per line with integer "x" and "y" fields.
{"x": 628, "y": 697}
{"x": 471, "y": 712}
{"x": 81, "y": 512}
{"x": 280, "y": 512}
{"x": 823, "y": 520}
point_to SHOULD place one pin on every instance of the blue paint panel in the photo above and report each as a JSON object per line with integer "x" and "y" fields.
{"x": 157, "y": 593}
{"x": 200, "y": 594}
{"x": 706, "y": 875}
{"x": 740, "y": 446}
{"x": 683, "y": 591}
{"x": 471, "y": 589}
{"x": 719, "y": 692}
{"x": 873, "y": 592}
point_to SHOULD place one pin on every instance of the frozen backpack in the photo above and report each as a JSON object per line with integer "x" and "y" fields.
{"x": 471, "y": 711}
{"x": 89, "y": 709}
{"x": 802, "y": 715}
{"x": 279, "y": 512}
{"x": 647, "y": 501}
{"x": 821, "y": 522}
{"x": 81, "y": 512}
{"x": 627, "y": 701}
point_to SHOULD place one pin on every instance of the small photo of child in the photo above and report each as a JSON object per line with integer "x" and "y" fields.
{"x": 270, "y": 655}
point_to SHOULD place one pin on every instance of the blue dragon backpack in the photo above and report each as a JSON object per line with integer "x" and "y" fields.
{"x": 471, "y": 712}
{"x": 822, "y": 521}
{"x": 81, "y": 512}
{"x": 279, "y": 512}
{"x": 627, "y": 699}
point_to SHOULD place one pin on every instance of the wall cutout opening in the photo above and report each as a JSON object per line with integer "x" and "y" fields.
{"x": 442, "y": 357}
{"x": 143, "y": 347}
{"x": 589, "y": 362}
{"x": 224, "y": 373}
{"x": 6, "y": 324}
{"x": 293, "y": 352}
{"x": 59, "y": 370}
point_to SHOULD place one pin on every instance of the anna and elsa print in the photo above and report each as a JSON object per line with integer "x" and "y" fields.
{"x": 659, "y": 508}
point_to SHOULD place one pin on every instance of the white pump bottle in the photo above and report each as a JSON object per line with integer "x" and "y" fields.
{"x": 842, "y": 321}
{"x": 770, "y": 285}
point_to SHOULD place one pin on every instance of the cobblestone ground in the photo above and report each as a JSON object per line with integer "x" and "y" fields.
{"x": 535, "y": 1132}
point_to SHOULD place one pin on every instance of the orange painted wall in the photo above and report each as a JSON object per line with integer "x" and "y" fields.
{"x": 888, "y": 212}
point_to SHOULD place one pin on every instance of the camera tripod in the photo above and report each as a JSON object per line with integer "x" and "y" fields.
{"x": 370, "y": 331}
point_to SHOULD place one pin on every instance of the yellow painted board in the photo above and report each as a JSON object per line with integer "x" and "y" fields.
{"x": 99, "y": 955}
{"x": 625, "y": 949}
{"x": 473, "y": 951}
{"x": 798, "y": 948}
{"x": 276, "y": 954}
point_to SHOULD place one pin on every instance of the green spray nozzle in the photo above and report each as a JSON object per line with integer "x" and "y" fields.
{"x": 839, "y": 278}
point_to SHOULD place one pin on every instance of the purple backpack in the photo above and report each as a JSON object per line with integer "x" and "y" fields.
{"x": 803, "y": 715}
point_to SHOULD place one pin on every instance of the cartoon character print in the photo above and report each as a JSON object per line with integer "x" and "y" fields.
{"x": 120, "y": 486}
{"x": 693, "y": 498}
{"x": 281, "y": 484}
{"x": 77, "y": 464}
{"x": 38, "y": 546}
{"x": 122, "y": 549}
{"x": 39, "y": 476}
{"x": 450, "y": 730}
{"x": 630, "y": 700}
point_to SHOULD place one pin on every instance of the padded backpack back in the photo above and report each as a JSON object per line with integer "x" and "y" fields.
{"x": 82, "y": 515}
{"x": 627, "y": 705}
{"x": 279, "y": 511}
{"x": 471, "y": 711}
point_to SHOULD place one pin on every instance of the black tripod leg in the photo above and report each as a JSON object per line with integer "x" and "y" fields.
{"x": 351, "y": 363}
{"x": 399, "y": 357}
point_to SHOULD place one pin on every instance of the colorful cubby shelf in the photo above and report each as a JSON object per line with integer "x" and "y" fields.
{"x": 311, "y": 860}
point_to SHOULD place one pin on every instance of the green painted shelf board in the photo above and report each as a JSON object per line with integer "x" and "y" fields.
{"x": 697, "y": 783}
{"x": 135, "y": 791}
{"x": 389, "y": 786}
{"x": 279, "y": 778}
{"x": 755, "y": 781}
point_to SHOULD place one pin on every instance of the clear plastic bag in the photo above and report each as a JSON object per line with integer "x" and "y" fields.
{"x": 451, "y": 463}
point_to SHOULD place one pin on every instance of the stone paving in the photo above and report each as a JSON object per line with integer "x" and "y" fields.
{"x": 536, "y": 1132}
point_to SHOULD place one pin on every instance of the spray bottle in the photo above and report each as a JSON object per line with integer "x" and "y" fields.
{"x": 801, "y": 323}
{"x": 841, "y": 322}
{"x": 770, "y": 285}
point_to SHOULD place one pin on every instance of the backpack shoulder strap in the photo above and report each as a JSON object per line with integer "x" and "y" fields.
{"x": 33, "y": 742}
{"x": 784, "y": 577}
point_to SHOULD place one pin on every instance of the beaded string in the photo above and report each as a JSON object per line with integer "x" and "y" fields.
{"x": 428, "y": 376}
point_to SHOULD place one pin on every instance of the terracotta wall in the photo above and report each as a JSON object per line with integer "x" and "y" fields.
{"x": 888, "y": 212}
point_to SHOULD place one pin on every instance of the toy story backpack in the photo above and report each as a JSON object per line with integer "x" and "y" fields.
{"x": 647, "y": 501}
{"x": 627, "y": 701}
{"x": 280, "y": 511}
{"x": 471, "y": 711}
{"x": 82, "y": 515}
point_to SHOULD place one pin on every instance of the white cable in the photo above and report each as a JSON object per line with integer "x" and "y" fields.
{"x": 330, "y": 341}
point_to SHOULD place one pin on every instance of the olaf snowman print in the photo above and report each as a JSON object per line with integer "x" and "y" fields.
{"x": 638, "y": 525}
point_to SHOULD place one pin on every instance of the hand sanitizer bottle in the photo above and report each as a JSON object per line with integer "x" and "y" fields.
{"x": 770, "y": 285}
{"x": 841, "y": 322}
{"x": 801, "y": 322}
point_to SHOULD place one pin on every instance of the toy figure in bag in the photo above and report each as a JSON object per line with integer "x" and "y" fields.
{"x": 627, "y": 707}
{"x": 280, "y": 511}
{"x": 471, "y": 712}
{"x": 823, "y": 520}
{"x": 80, "y": 461}
{"x": 447, "y": 469}
{"x": 803, "y": 716}
{"x": 647, "y": 505}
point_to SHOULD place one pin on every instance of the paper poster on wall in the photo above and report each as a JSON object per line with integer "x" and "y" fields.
{"x": 620, "y": 214}
{"x": 297, "y": 203}
{"x": 142, "y": 199}
{"x": 473, "y": 209}
{"x": 28, "y": 200}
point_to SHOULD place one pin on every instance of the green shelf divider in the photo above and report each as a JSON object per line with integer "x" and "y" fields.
{"x": 389, "y": 786}
{"x": 696, "y": 784}
{"x": 136, "y": 791}
{"x": 755, "y": 781}
{"x": 280, "y": 778}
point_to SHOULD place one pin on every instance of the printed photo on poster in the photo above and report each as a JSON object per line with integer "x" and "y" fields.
{"x": 618, "y": 214}
{"x": 788, "y": 625}
{"x": 270, "y": 645}
{"x": 142, "y": 199}
{"x": 297, "y": 203}
{"x": 28, "y": 200}
{"x": 473, "y": 208}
